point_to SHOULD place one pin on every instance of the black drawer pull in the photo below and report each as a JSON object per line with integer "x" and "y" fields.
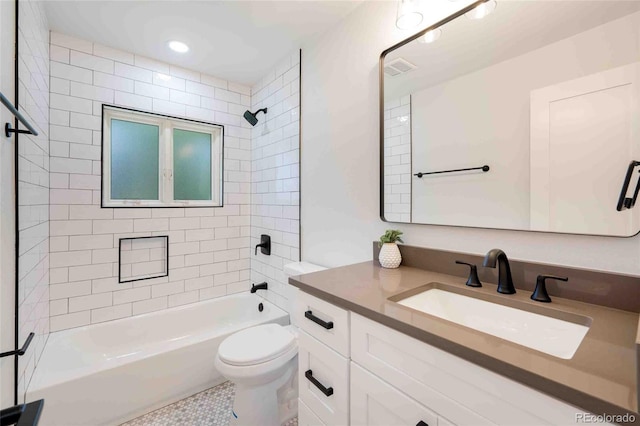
{"x": 421, "y": 423}
{"x": 327, "y": 325}
{"x": 326, "y": 391}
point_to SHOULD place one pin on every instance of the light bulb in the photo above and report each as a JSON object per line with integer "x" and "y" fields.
{"x": 408, "y": 15}
{"x": 482, "y": 10}
{"x": 178, "y": 46}
{"x": 430, "y": 36}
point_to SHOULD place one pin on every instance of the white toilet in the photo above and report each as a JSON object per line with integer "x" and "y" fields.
{"x": 262, "y": 362}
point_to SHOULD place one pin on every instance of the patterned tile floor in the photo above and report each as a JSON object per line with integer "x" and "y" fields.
{"x": 211, "y": 407}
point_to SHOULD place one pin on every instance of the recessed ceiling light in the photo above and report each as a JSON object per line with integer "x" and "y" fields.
{"x": 178, "y": 46}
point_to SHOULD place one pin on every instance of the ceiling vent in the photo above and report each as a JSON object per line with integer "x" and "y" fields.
{"x": 398, "y": 66}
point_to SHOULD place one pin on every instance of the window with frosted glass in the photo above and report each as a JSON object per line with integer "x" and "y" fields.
{"x": 191, "y": 165}
{"x": 134, "y": 161}
{"x": 151, "y": 160}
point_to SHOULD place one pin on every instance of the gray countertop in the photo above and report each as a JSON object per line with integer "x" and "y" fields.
{"x": 601, "y": 377}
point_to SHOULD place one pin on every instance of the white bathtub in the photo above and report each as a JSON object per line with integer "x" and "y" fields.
{"x": 112, "y": 372}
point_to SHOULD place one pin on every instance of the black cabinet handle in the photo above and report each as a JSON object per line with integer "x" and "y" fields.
{"x": 327, "y": 325}
{"x": 421, "y": 423}
{"x": 326, "y": 391}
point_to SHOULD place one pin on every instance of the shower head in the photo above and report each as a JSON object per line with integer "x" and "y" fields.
{"x": 251, "y": 116}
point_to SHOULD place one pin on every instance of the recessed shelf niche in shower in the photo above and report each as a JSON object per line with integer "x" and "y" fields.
{"x": 143, "y": 258}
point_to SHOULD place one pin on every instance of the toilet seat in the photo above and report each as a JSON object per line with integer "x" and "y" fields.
{"x": 256, "y": 345}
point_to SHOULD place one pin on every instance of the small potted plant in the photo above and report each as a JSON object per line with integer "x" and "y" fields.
{"x": 389, "y": 255}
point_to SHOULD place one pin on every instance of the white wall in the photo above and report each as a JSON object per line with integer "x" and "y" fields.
{"x": 208, "y": 247}
{"x": 340, "y": 160}
{"x": 33, "y": 179}
{"x": 275, "y": 166}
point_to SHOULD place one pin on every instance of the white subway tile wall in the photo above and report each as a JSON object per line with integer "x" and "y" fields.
{"x": 209, "y": 248}
{"x": 397, "y": 159}
{"x": 33, "y": 192}
{"x": 275, "y": 178}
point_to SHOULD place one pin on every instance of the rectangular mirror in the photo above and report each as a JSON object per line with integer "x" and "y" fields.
{"x": 527, "y": 118}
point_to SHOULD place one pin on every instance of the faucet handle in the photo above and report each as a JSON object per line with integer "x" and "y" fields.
{"x": 540, "y": 293}
{"x": 473, "y": 280}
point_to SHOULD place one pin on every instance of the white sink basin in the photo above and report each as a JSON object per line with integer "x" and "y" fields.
{"x": 545, "y": 334}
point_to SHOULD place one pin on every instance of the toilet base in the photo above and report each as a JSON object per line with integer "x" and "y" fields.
{"x": 270, "y": 404}
{"x": 255, "y": 406}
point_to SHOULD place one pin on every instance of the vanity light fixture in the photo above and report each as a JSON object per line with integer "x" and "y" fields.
{"x": 430, "y": 36}
{"x": 482, "y": 10}
{"x": 408, "y": 14}
{"x": 178, "y": 46}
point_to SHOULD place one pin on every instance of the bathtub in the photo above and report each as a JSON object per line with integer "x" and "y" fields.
{"x": 111, "y": 372}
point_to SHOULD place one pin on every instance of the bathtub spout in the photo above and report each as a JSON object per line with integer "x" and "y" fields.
{"x": 256, "y": 287}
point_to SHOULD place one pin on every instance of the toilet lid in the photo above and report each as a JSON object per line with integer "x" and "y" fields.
{"x": 256, "y": 345}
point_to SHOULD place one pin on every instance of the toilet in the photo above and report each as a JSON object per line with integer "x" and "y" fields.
{"x": 262, "y": 362}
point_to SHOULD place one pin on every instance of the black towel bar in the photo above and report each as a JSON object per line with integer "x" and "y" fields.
{"x": 484, "y": 168}
{"x": 20, "y": 351}
{"x": 7, "y": 127}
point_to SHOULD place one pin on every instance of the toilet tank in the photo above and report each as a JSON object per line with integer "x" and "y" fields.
{"x": 299, "y": 268}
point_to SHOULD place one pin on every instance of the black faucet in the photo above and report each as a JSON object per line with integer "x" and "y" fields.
{"x": 265, "y": 245}
{"x": 505, "y": 282}
{"x": 256, "y": 287}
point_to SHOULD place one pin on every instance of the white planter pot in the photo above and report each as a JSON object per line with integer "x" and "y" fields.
{"x": 389, "y": 256}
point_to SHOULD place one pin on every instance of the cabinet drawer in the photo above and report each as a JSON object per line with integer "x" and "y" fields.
{"x": 376, "y": 403}
{"x": 459, "y": 390}
{"x": 306, "y": 417}
{"x": 324, "y": 321}
{"x": 323, "y": 379}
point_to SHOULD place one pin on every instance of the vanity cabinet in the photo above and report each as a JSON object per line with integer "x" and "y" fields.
{"x": 323, "y": 362}
{"x": 384, "y": 377}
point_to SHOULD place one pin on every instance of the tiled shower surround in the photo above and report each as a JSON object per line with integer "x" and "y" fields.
{"x": 275, "y": 181}
{"x": 209, "y": 248}
{"x": 33, "y": 160}
{"x": 397, "y": 159}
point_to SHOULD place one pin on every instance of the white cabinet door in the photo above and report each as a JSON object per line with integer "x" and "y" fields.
{"x": 306, "y": 417}
{"x": 587, "y": 127}
{"x": 376, "y": 403}
{"x": 323, "y": 380}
